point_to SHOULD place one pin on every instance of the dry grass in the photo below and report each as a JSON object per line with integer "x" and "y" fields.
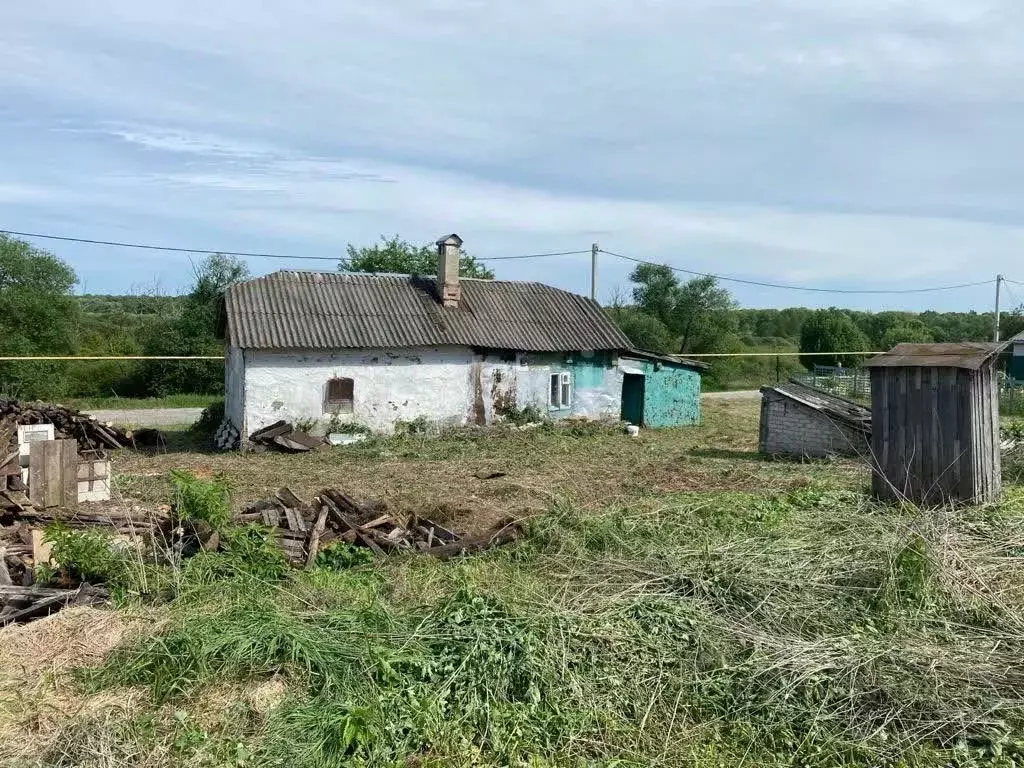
{"x": 436, "y": 477}
{"x": 37, "y": 692}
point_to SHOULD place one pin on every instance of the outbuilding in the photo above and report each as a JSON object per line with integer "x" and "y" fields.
{"x": 935, "y": 423}
{"x": 336, "y": 351}
{"x": 803, "y": 422}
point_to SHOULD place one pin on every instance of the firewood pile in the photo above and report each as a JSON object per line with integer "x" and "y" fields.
{"x": 68, "y": 424}
{"x": 304, "y": 529}
{"x": 283, "y": 436}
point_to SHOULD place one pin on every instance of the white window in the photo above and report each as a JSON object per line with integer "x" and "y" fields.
{"x": 560, "y": 394}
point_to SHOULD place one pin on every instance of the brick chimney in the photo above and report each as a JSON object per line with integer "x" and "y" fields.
{"x": 448, "y": 252}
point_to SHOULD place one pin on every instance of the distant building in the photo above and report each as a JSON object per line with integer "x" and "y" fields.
{"x": 331, "y": 349}
{"x": 800, "y": 421}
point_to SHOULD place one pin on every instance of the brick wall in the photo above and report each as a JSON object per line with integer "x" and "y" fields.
{"x": 789, "y": 428}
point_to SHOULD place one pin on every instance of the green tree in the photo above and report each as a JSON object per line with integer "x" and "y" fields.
{"x": 38, "y": 316}
{"x": 397, "y": 256}
{"x": 909, "y": 332}
{"x": 646, "y": 332}
{"x": 833, "y": 331}
{"x": 192, "y": 332}
{"x": 700, "y": 313}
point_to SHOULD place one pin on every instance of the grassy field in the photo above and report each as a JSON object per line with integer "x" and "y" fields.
{"x": 677, "y": 602}
{"x": 138, "y": 403}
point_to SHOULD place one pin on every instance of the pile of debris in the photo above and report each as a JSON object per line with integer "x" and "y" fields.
{"x": 227, "y": 437}
{"x": 20, "y": 604}
{"x": 283, "y": 436}
{"x": 68, "y": 424}
{"x": 23, "y": 547}
{"x": 303, "y": 529}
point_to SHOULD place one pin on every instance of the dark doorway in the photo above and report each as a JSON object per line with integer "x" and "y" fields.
{"x": 633, "y": 398}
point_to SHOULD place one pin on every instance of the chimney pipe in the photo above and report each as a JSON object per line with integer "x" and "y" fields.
{"x": 448, "y": 253}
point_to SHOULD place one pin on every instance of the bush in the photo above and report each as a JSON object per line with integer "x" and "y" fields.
{"x": 85, "y": 556}
{"x": 205, "y": 500}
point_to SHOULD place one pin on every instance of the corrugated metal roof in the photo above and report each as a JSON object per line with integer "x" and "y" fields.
{"x": 970, "y": 355}
{"x": 854, "y": 414}
{"x": 320, "y": 310}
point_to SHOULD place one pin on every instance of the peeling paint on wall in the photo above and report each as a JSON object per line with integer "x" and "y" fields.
{"x": 445, "y": 385}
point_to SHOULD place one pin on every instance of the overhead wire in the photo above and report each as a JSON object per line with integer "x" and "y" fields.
{"x": 682, "y": 270}
{"x": 726, "y": 278}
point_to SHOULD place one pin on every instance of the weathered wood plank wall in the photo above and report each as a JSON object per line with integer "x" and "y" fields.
{"x": 935, "y": 434}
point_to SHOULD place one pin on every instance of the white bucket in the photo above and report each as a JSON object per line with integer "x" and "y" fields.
{"x": 632, "y": 430}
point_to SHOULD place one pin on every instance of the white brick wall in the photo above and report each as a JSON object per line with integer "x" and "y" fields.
{"x": 790, "y": 428}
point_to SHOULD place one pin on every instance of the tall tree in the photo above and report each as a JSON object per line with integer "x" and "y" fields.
{"x": 38, "y": 313}
{"x": 38, "y": 316}
{"x": 193, "y": 332}
{"x": 700, "y": 313}
{"x": 394, "y": 255}
{"x": 834, "y": 332}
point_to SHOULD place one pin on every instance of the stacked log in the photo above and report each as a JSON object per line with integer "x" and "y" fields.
{"x": 68, "y": 424}
{"x": 302, "y": 529}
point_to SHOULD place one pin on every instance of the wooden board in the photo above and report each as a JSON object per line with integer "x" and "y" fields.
{"x": 53, "y": 473}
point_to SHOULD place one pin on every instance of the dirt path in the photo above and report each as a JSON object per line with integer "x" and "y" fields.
{"x": 746, "y": 394}
{"x": 151, "y": 417}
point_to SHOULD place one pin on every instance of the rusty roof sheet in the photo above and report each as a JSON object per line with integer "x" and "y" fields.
{"x": 320, "y": 310}
{"x": 970, "y": 355}
{"x": 847, "y": 411}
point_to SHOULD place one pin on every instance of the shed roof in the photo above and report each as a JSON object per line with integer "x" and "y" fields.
{"x": 836, "y": 407}
{"x": 970, "y": 355}
{"x": 320, "y": 310}
{"x": 654, "y": 357}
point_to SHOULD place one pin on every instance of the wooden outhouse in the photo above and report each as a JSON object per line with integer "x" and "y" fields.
{"x": 935, "y": 423}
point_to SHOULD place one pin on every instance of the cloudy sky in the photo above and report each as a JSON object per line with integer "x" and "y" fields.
{"x": 857, "y": 144}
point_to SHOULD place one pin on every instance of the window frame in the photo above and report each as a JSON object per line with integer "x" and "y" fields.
{"x": 560, "y": 391}
{"x": 340, "y": 403}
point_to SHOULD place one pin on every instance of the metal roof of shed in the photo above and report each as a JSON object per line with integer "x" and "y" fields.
{"x": 320, "y": 310}
{"x": 847, "y": 411}
{"x": 970, "y": 355}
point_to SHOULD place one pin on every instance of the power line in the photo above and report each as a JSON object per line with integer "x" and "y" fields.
{"x": 265, "y": 255}
{"x": 533, "y": 255}
{"x": 250, "y": 254}
{"x": 146, "y": 247}
{"x": 797, "y": 287}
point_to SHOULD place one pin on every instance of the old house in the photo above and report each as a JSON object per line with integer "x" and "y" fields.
{"x": 797, "y": 420}
{"x": 935, "y": 416}
{"x": 329, "y": 350}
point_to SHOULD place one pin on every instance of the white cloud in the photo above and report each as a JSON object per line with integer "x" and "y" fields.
{"x": 855, "y": 141}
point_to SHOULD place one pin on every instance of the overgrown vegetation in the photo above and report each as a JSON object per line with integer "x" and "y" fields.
{"x": 807, "y": 627}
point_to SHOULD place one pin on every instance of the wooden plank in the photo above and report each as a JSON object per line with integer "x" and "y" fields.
{"x": 314, "y": 537}
{"x": 289, "y": 499}
{"x": 69, "y": 472}
{"x": 294, "y": 520}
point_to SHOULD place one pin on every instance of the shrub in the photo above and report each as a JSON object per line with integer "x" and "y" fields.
{"x": 86, "y": 556}
{"x": 206, "y": 500}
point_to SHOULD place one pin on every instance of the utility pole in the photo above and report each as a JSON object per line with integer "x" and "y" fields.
{"x": 594, "y": 250}
{"x": 999, "y": 284}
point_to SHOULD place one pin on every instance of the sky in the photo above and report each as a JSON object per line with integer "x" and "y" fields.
{"x": 851, "y": 144}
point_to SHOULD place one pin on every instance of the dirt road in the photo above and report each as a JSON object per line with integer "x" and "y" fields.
{"x": 746, "y": 394}
{"x": 151, "y": 417}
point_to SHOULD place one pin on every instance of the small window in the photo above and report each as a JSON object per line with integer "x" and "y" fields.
{"x": 560, "y": 394}
{"x": 339, "y": 395}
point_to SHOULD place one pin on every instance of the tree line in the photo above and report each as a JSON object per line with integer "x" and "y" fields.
{"x": 40, "y": 315}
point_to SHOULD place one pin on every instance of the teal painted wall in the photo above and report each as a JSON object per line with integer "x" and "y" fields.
{"x": 1016, "y": 367}
{"x": 671, "y": 395}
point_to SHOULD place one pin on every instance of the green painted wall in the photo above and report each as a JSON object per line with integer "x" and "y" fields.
{"x": 671, "y": 395}
{"x": 1016, "y": 366}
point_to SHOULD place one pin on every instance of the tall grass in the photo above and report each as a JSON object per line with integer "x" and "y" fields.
{"x": 811, "y": 629}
